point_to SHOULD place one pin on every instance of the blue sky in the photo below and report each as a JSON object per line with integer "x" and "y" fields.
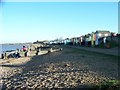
{"x": 31, "y": 21}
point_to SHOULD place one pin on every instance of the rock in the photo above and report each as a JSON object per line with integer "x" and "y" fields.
{"x": 67, "y": 65}
{"x": 49, "y": 79}
{"x": 56, "y": 85}
{"x": 82, "y": 81}
{"x": 78, "y": 81}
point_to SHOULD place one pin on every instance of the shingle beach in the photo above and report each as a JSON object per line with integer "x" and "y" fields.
{"x": 69, "y": 68}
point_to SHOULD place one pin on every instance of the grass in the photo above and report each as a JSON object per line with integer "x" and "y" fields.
{"x": 111, "y": 43}
{"x": 109, "y": 85}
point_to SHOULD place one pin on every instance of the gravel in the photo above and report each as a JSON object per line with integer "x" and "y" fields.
{"x": 58, "y": 70}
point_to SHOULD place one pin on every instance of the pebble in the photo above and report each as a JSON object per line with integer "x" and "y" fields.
{"x": 51, "y": 75}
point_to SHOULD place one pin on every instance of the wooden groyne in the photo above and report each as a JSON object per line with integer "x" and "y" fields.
{"x": 34, "y": 49}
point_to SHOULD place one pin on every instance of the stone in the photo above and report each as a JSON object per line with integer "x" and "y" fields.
{"x": 67, "y": 65}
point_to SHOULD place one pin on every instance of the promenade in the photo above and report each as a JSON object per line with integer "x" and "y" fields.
{"x": 110, "y": 51}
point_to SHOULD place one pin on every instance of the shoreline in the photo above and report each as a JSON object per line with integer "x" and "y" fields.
{"x": 24, "y": 59}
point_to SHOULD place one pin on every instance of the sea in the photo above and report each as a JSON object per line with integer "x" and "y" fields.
{"x": 9, "y": 47}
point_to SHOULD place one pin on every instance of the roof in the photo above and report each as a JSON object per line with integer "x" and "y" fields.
{"x": 101, "y": 31}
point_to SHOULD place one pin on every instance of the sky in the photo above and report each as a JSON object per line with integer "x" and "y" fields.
{"x": 31, "y": 21}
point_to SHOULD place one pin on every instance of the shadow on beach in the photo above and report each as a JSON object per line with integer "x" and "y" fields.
{"x": 72, "y": 70}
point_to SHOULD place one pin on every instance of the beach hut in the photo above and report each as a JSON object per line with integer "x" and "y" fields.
{"x": 66, "y": 41}
{"x": 77, "y": 41}
{"x": 97, "y": 37}
{"x": 100, "y": 34}
{"x": 103, "y": 33}
{"x": 92, "y": 39}
{"x": 71, "y": 41}
{"x": 80, "y": 40}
